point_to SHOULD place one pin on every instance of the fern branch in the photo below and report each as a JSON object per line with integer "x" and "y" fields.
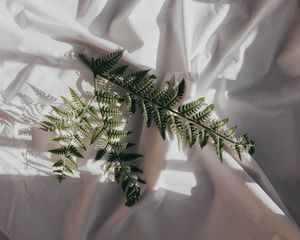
{"x": 181, "y": 115}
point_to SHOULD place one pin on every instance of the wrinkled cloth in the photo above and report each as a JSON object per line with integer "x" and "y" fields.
{"x": 243, "y": 55}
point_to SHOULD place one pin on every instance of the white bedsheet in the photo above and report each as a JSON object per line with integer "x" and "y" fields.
{"x": 244, "y": 55}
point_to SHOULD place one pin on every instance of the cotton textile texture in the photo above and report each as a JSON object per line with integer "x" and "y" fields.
{"x": 244, "y": 55}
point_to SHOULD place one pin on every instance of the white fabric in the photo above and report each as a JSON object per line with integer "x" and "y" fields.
{"x": 243, "y": 55}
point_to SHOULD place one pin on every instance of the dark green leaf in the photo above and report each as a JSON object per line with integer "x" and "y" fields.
{"x": 58, "y": 163}
{"x": 100, "y": 153}
{"x": 96, "y": 134}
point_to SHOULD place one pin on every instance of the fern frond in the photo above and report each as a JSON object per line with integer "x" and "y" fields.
{"x": 134, "y": 78}
{"x": 190, "y": 133}
{"x": 204, "y": 115}
{"x": 146, "y": 110}
{"x": 131, "y": 102}
{"x": 160, "y": 119}
{"x": 191, "y": 108}
{"x": 219, "y": 144}
{"x": 230, "y": 133}
{"x": 107, "y": 112}
{"x": 116, "y": 134}
{"x": 58, "y": 163}
{"x": 77, "y": 139}
{"x": 217, "y": 125}
{"x": 203, "y": 137}
{"x": 118, "y": 71}
{"x": 100, "y": 153}
{"x": 146, "y": 85}
{"x": 112, "y": 123}
{"x": 247, "y": 144}
{"x": 107, "y": 97}
{"x": 79, "y": 101}
{"x": 62, "y": 138}
{"x": 83, "y": 130}
{"x": 68, "y": 104}
{"x": 74, "y": 151}
{"x": 97, "y": 133}
{"x": 238, "y": 150}
{"x": 105, "y": 63}
{"x": 60, "y": 151}
{"x": 97, "y": 117}
{"x": 52, "y": 119}
{"x": 91, "y": 110}
{"x": 125, "y": 157}
{"x": 173, "y": 96}
{"x": 176, "y": 126}
{"x": 60, "y": 112}
{"x": 157, "y": 94}
{"x": 71, "y": 162}
{"x": 118, "y": 146}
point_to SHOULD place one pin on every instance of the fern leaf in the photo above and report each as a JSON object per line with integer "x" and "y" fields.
{"x": 112, "y": 123}
{"x": 219, "y": 144}
{"x": 100, "y": 153}
{"x": 176, "y": 126}
{"x": 141, "y": 181}
{"x": 58, "y": 163}
{"x": 230, "y": 133}
{"x": 133, "y": 195}
{"x": 237, "y": 149}
{"x": 134, "y": 78}
{"x": 60, "y": 151}
{"x": 180, "y": 89}
{"x": 203, "y": 138}
{"x": 219, "y": 124}
{"x": 173, "y": 96}
{"x": 160, "y": 119}
{"x": 62, "y": 138}
{"x": 118, "y": 146}
{"x": 108, "y": 166}
{"x": 134, "y": 168}
{"x": 191, "y": 108}
{"x": 83, "y": 130}
{"x": 247, "y": 143}
{"x": 125, "y": 157}
{"x": 131, "y": 102}
{"x": 52, "y": 119}
{"x": 92, "y": 111}
{"x": 59, "y": 111}
{"x": 47, "y": 126}
{"x": 117, "y": 134}
{"x": 62, "y": 125}
{"x": 74, "y": 151}
{"x": 118, "y": 71}
{"x": 68, "y": 104}
{"x": 146, "y": 110}
{"x": 109, "y": 112}
{"x": 145, "y": 86}
{"x": 70, "y": 161}
{"x": 68, "y": 169}
{"x": 79, "y": 141}
{"x": 105, "y": 63}
{"x": 125, "y": 183}
{"x": 77, "y": 99}
{"x": 96, "y": 134}
{"x": 157, "y": 94}
{"x": 190, "y": 133}
{"x": 107, "y": 97}
{"x": 202, "y": 116}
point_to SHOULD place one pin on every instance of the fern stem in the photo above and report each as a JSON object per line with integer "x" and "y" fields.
{"x": 174, "y": 111}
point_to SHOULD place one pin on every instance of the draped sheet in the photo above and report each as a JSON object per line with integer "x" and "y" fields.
{"x": 243, "y": 55}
